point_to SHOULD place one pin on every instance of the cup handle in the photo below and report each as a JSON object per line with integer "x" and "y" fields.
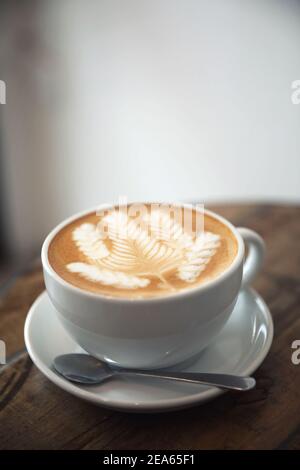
{"x": 256, "y": 251}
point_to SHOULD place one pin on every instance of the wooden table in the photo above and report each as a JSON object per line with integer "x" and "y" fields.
{"x": 35, "y": 414}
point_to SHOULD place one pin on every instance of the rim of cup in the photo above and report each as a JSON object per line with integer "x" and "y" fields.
{"x": 165, "y": 298}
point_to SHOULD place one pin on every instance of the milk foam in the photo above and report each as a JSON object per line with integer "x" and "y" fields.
{"x": 131, "y": 256}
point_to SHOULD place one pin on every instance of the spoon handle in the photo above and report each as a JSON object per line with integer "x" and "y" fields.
{"x": 226, "y": 381}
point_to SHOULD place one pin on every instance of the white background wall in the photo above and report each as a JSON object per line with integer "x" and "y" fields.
{"x": 160, "y": 99}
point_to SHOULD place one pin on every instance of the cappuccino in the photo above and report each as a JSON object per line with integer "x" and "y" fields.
{"x": 146, "y": 255}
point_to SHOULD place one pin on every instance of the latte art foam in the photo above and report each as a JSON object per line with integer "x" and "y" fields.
{"x": 130, "y": 262}
{"x": 140, "y": 257}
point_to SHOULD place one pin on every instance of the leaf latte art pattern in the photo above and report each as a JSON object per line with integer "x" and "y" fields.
{"x": 130, "y": 259}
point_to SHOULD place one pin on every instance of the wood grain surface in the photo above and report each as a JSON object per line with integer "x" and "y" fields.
{"x": 35, "y": 414}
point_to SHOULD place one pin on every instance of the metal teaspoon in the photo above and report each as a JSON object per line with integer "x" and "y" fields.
{"x": 85, "y": 369}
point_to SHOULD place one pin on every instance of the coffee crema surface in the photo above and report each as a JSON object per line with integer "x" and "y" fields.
{"x": 136, "y": 257}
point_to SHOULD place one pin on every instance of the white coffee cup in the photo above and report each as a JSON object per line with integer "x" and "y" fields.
{"x": 156, "y": 332}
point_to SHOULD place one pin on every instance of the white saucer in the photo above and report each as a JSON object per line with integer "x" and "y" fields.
{"x": 240, "y": 348}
